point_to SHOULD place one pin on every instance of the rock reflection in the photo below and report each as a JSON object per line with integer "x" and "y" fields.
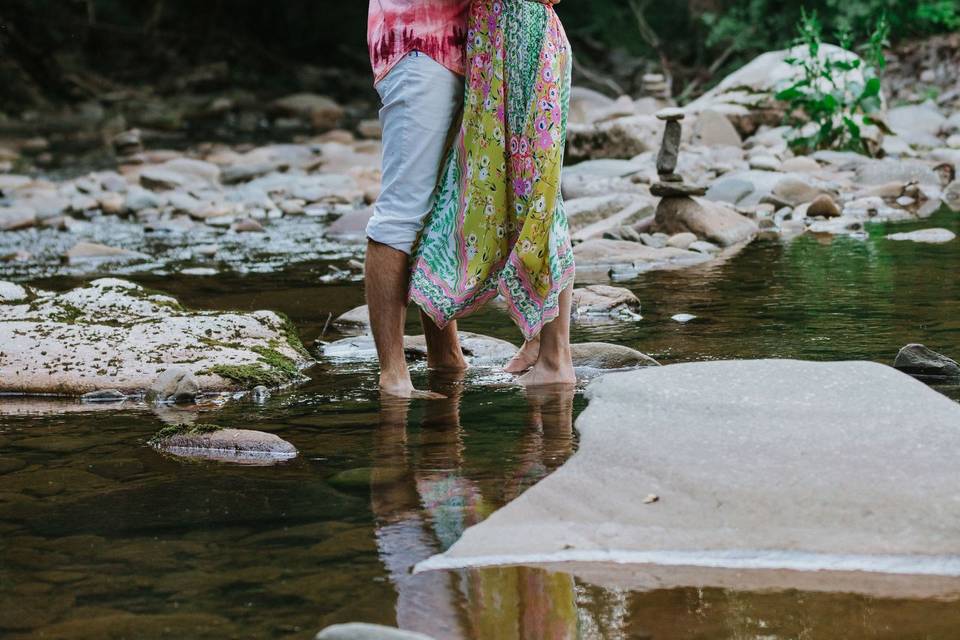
{"x": 423, "y": 499}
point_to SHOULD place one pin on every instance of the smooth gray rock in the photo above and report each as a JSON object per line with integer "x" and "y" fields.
{"x": 175, "y": 384}
{"x": 364, "y": 631}
{"x": 875, "y": 172}
{"x": 357, "y": 319}
{"x": 11, "y": 292}
{"x": 13, "y": 218}
{"x": 604, "y": 300}
{"x": 243, "y": 446}
{"x": 601, "y": 355}
{"x": 782, "y": 467}
{"x": 922, "y": 362}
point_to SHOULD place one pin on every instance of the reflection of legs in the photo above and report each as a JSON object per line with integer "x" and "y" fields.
{"x": 425, "y": 602}
{"x": 554, "y": 362}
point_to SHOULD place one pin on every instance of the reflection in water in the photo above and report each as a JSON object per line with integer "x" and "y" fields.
{"x": 422, "y": 504}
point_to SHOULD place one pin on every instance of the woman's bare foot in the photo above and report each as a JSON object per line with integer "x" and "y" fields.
{"x": 555, "y": 369}
{"x": 525, "y": 358}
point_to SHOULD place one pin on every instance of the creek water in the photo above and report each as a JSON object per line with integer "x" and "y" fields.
{"x": 101, "y": 536}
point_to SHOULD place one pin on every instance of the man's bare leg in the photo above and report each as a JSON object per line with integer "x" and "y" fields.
{"x": 387, "y": 277}
{"x": 555, "y": 362}
{"x": 443, "y": 346}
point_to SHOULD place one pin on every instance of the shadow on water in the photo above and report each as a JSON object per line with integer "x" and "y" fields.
{"x": 100, "y": 536}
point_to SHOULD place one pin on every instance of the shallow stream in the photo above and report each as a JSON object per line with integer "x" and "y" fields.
{"x": 102, "y": 537}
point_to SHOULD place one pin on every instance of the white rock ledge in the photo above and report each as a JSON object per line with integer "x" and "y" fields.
{"x": 114, "y": 334}
{"x": 774, "y": 465}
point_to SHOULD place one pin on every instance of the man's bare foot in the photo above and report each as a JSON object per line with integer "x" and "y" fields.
{"x": 525, "y": 358}
{"x": 558, "y": 372}
{"x": 405, "y": 389}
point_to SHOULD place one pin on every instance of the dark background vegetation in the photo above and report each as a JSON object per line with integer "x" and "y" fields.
{"x": 54, "y": 51}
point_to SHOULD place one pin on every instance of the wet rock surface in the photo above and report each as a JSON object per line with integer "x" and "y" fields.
{"x": 114, "y": 334}
{"x": 819, "y": 436}
{"x": 243, "y": 446}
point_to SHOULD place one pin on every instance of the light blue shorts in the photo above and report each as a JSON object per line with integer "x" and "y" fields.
{"x": 420, "y": 100}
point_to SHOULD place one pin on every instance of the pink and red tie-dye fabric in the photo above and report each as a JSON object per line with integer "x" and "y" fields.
{"x": 435, "y": 27}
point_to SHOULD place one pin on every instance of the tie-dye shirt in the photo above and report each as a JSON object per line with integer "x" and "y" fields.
{"x": 436, "y": 27}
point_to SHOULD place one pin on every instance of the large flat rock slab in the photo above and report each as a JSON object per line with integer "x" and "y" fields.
{"x": 776, "y": 466}
{"x": 114, "y": 334}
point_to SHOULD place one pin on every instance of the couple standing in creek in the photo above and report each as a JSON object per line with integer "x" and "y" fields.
{"x": 470, "y": 206}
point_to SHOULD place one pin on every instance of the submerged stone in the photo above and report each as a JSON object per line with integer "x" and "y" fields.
{"x": 767, "y": 469}
{"x": 601, "y": 355}
{"x": 930, "y": 236}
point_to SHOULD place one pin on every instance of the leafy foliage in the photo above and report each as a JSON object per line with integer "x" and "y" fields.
{"x": 835, "y": 96}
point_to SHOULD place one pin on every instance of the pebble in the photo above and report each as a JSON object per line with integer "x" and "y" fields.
{"x": 683, "y": 317}
{"x": 823, "y": 206}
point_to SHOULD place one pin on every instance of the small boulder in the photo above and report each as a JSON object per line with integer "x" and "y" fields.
{"x": 355, "y": 319}
{"x": 713, "y": 129}
{"x": 951, "y": 195}
{"x": 175, "y": 384}
{"x": 211, "y": 442}
{"x": 705, "y": 219}
{"x": 682, "y": 240}
{"x": 321, "y": 112}
{"x": 921, "y": 362}
{"x": 247, "y": 225}
{"x": 800, "y": 164}
{"x": 604, "y": 300}
{"x": 823, "y": 206}
{"x": 601, "y": 355}
{"x": 793, "y": 190}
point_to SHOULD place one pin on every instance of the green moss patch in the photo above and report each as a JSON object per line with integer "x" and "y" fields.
{"x": 183, "y": 430}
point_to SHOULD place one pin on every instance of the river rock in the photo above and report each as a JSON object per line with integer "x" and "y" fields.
{"x": 582, "y": 212}
{"x": 930, "y": 236}
{"x": 822, "y": 492}
{"x": 713, "y": 129}
{"x": 321, "y": 112}
{"x": 618, "y": 138}
{"x": 636, "y": 210}
{"x": 922, "y": 362}
{"x": 104, "y": 395}
{"x": 92, "y": 252}
{"x": 473, "y": 345}
{"x": 600, "y": 355}
{"x": 604, "y": 300}
{"x": 823, "y": 206}
{"x": 603, "y": 254}
{"x": 243, "y": 446}
{"x": 682, "y": 240}
{"x": 876, "y": 172}
{"x": 364, "y": 631}
{"x": 918, "y": 124}
{"x": 10, "y": 292}
{"x": 793, "y": 190}
{"x": 181, "y": 173}
{"x": 746, "y": 96}
{"x": 705, "y": 219}
{"x": 357, "y": 319}
{"x": 800, "y": 164}
{"x": 17, "y": 217}
{"x": 114, "y": 334}
{"x": 351, "y": 227}
{"x": 175, "y": 384}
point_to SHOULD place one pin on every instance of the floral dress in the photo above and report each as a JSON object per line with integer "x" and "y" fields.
{"x": 498, "y": 223}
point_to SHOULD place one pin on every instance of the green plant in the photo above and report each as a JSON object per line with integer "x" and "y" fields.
{"x": 836, "y": 94}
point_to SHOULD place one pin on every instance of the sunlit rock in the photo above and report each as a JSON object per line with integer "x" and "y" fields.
{"x": 768, "y": 469}
{"x": 114, "y": 334}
